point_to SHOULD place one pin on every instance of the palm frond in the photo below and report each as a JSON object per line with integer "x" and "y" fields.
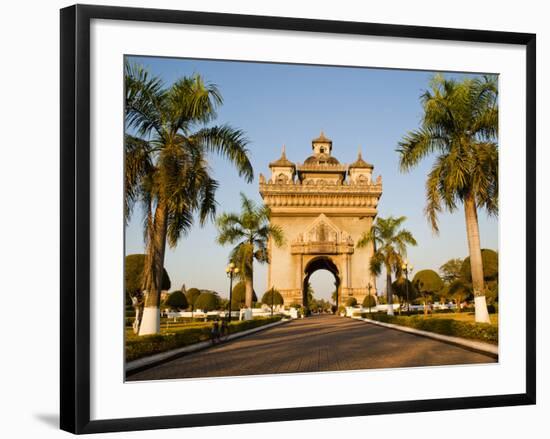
{"x": 192, "y": 99}
{"x": 143, "y": 100}
{"x": 230, "y": 235}
{"x": 137, "y": 164}
{"x": 367, "y": 238}
{"x": 376, "y": 264}
{"x": 229, "y": 143}
{"x": 417, "y": 145}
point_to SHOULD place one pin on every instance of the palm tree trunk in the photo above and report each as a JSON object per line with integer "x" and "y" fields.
{"x": 389, "y": 293}
{"x": 476, "y": 263}
{"x": 138, "y": 309}
{"x": 249, "y": 290}
{"x": 249, "y": 282}
{"x": 458, "y": 303}
{"x": 154, "y": 270}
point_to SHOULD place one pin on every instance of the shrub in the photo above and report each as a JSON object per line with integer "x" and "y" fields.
{"x": 133, "y": 274}
{"x": 491, "y": 291}
{"x": 176, "y": 300}
{"x": 367, "y": 315}
{"x": 489, "y": 258}
{"x": 243, "y": 325}
{"x": 192, "y": 294}
{"x": 400, "y": 286}
{"x": 272, "y": 296}
{"x": 207, "y": 302}
{"x": 369, "y": 301}
{"x": 351, "y": 301}
{"x": 153, "y": 344}
{"x": 477, "y": 331}
{"x": 427, "y": 282}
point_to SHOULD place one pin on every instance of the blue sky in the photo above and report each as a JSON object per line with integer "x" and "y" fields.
{"x": 278, "y": 104}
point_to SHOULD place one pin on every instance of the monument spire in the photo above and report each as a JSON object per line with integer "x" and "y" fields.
{"x": 282, "y": 161}
{"x": 322, "y": 144}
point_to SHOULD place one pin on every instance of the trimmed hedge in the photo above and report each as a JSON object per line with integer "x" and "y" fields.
{"x": 476, "y": 331}
{"x": 176, "y": 300}
{"x": 207, "y": 302}
{"x": 139, "y": 347}
{"x": 369, "y": 301}
{"x": 133, "y": 273}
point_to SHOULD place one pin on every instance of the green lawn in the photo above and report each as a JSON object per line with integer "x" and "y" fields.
{"x": 171, "y": 323}
{"x": 461, "y": 316}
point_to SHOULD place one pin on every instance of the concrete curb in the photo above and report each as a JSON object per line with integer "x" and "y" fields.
{"x": 156, "y": 359}
{"x": 477, "y": 346}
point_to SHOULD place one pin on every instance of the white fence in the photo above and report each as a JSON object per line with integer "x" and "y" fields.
{"x": 242, "y": 314}
{"x": 384, "y": 308}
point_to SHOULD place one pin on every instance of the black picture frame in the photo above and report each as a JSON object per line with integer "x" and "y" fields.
{"x": 75, "y": 217}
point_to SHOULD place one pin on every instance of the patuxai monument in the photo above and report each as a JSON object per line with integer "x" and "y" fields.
{"x": 323, "y": 207}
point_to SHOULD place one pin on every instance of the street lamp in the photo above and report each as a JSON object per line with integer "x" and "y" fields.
{"x": 231, "y": 271}
{"x": 407, "y": 268}
{"x": 369, "y": 287}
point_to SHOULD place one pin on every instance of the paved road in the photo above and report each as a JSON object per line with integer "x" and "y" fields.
{"x": 321, "y": 343}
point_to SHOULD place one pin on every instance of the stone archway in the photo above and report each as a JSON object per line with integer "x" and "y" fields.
{"x": 320, "y": 263}
{"x": 323, "y": 208}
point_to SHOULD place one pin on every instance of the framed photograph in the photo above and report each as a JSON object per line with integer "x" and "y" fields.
{"x": 273, "y": 218}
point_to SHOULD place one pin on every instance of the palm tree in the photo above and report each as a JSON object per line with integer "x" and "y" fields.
{"x": 309, "y": 293}
{"x": 166, "y": 168}
{"x": 251, "y": 230}
{"x": 390, "y": 247}
{"x": 460, "y": 124}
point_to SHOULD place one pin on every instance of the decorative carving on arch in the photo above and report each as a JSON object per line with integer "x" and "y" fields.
{"x": 322, "y": 236}
{"x": 322, "y": 230}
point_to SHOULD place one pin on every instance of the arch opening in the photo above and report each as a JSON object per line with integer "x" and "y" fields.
{"x": 320, "y": 263}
